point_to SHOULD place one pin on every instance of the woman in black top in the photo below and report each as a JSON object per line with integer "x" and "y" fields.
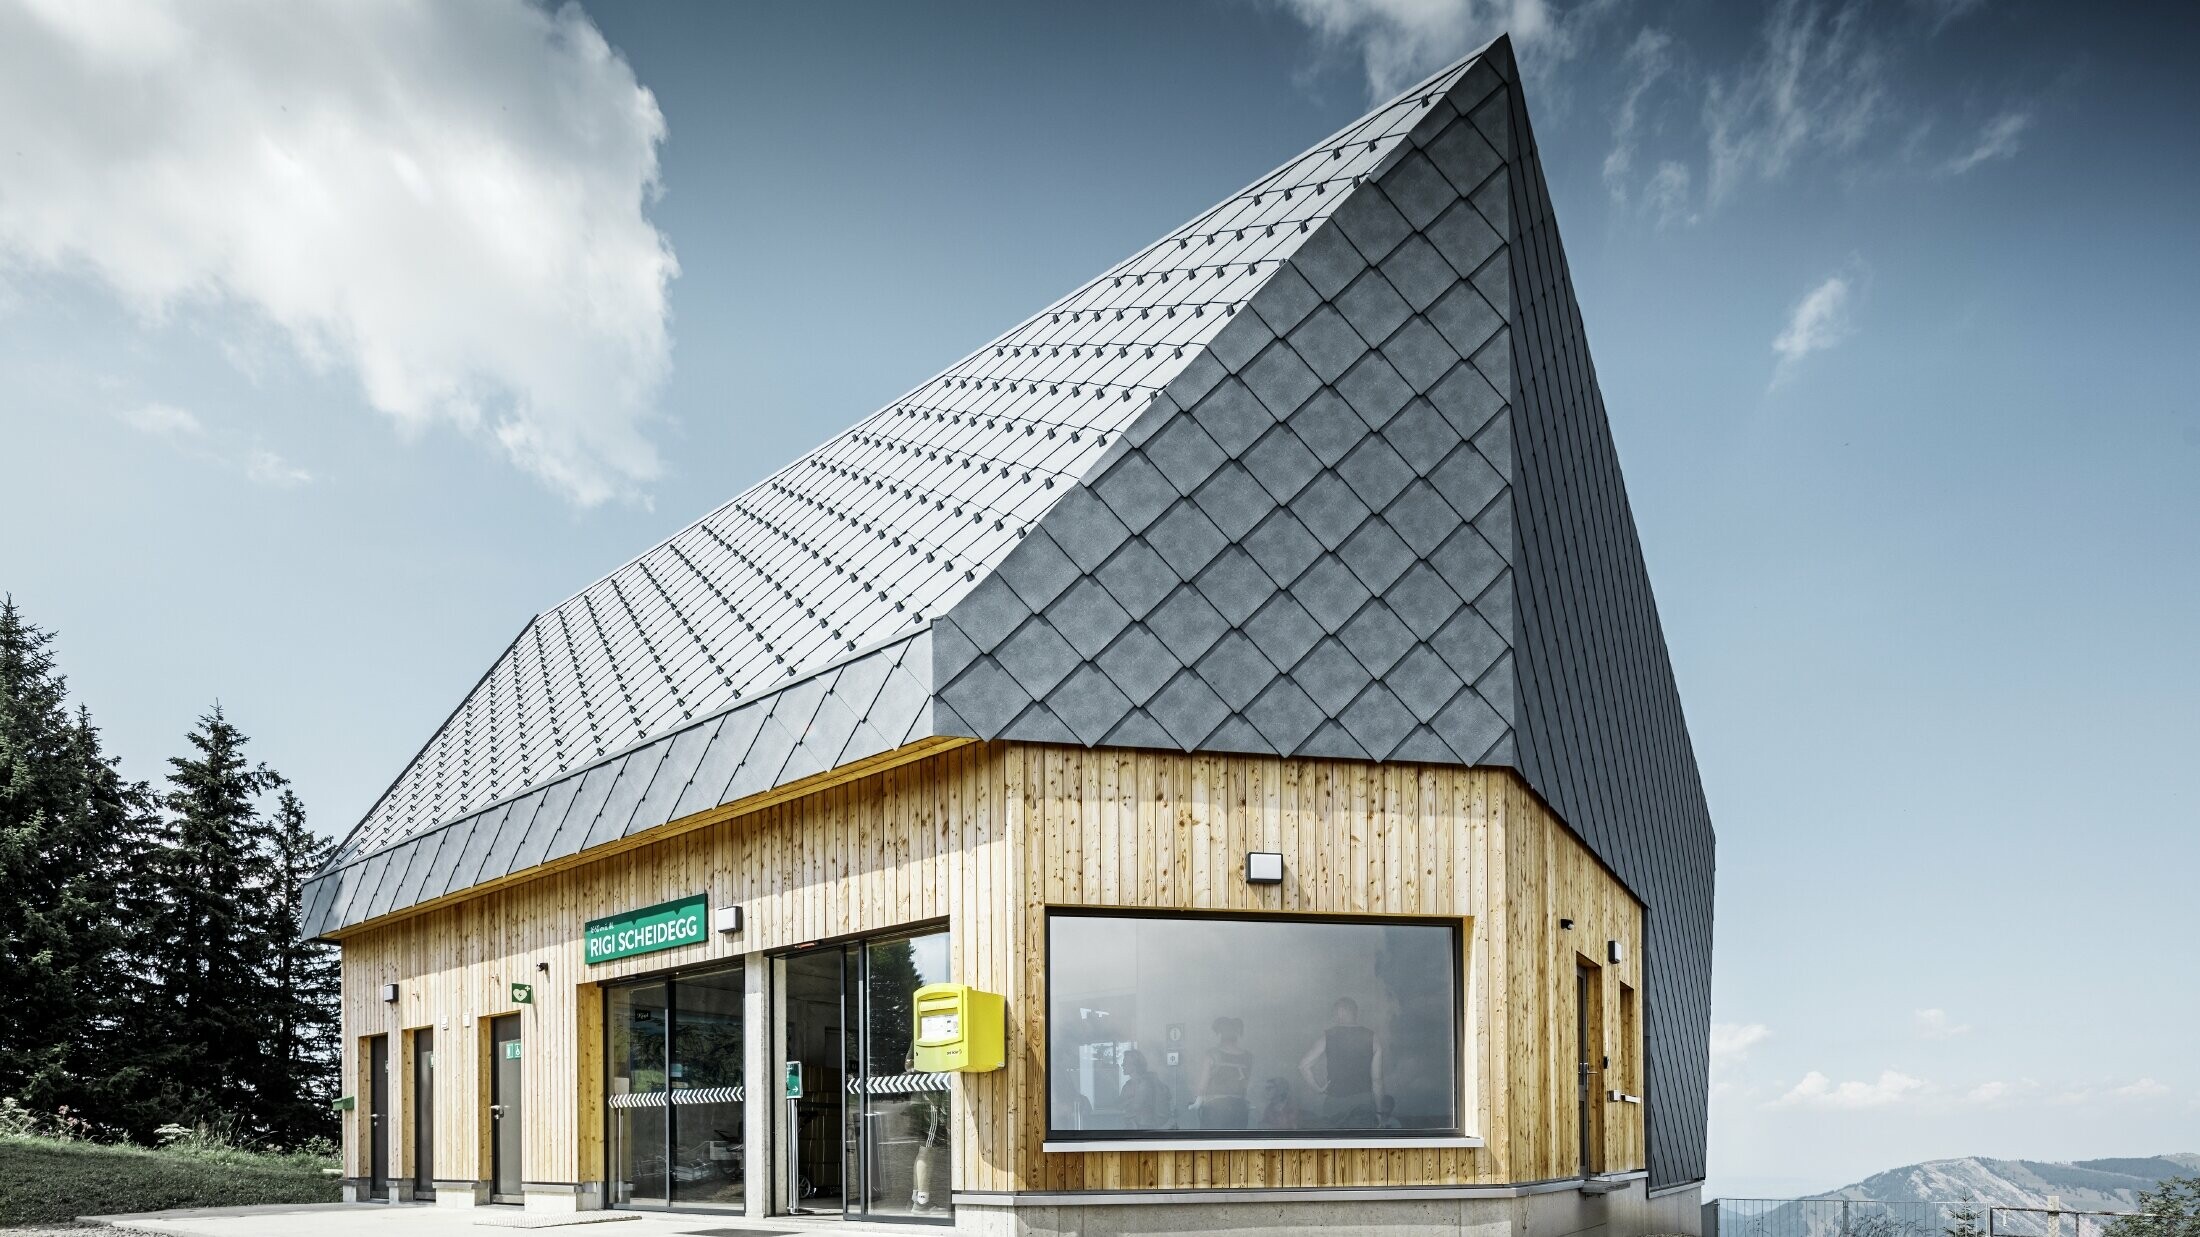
{"x": 1223, "y": 1080}
{"x": 1352, "y": 1073}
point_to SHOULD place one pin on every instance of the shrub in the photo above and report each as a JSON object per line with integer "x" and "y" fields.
{"x": 2170, "y": 1209}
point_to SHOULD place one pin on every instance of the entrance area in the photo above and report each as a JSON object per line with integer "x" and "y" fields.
{"x": 675, "y": 1106}
{"x": 859, "y": 1132}
{"x": 506, "y": 1137}
{"x": 1589, "y": 1048}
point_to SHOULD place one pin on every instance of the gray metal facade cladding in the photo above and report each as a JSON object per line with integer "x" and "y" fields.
{"x": 1324, "y": 472}
{"x": 1381, "y": 517}
{"x": 1602, "y": 736}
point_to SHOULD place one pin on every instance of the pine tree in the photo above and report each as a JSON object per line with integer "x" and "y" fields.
{"x": 208, "y": 942}
{"x": 64, "y": 811}
{"x": 301, "y": 987}
{"x": 32, "y": 738}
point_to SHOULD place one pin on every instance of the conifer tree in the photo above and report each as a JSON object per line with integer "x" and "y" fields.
{"x": 33, "y": 756}
{"x": 66, "y": 819}
{"x": 208, "y": 941}
{"x": 301, "y": 986}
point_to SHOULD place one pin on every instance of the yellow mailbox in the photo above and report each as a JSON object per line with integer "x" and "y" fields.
{"x": 960, "y": 1030}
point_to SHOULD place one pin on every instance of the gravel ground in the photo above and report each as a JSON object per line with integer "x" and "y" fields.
{"x": 63, "y": 1230}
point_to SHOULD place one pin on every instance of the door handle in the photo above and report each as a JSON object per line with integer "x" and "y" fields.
{"x": 495, "y": 1110}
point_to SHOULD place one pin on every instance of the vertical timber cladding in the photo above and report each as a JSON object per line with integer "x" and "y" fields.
{"x": 1116, "y": 827}
{"x": 922, "y": 842}
{"x": 985, "y": 836}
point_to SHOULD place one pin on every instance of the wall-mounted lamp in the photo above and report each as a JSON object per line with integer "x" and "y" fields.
{"x": 1566, "y": 925}
{"x": 1615, "y": 951}
{"x": 728, "y": 920}
{"x": 1264, "y": 867}
{"x": 389, "y": 992}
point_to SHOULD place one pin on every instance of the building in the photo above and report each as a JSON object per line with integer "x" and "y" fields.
{"x": 1245, "y": 668}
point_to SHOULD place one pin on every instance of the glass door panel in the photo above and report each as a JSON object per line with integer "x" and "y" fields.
{"x": 815, "y": 1043}
{"x": 707, "y": 1137}
{"x": 637, "y": 1082}
{"x": 907, "y": 1126}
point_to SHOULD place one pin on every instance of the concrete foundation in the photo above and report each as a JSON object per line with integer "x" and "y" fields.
{"x": 1566, "y": 1212}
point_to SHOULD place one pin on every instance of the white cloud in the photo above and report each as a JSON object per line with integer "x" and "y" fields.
{"x": 446, "y": 201}
{"x": 1818, "y": 1091}
{"x": 164, "y": 421}
{"x": 1987, "y": 1092}
{"x": 1818, "y": 322}
{"x": 1936, "y": 1024}
{"x": 1666, "y": 196}
{"x": 2144, "y": 1088}
{"x": 1816, "y": 82}
{"x": 268, "y": 468}
{"x": 1399, "y": 42}
{"x": 1647, "y": 59}
{"x": 1943, "y": 13}
{"x": 1998, "y": 140}
{"x": 1731, "y": 1041}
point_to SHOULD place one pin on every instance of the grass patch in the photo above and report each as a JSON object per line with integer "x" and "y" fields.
{"x": 44, "y": 1180}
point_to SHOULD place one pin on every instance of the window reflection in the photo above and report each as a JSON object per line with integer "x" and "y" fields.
{"x": 1180, "y": 1025}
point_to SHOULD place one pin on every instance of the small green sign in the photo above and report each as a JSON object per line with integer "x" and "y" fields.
{"x": 794, "y": 1080}
{"x": 523, "y": 994}
{"x": 511, "y": 1050}
{"x": 345, "y": 1103}
{"x": 667, "y": 925}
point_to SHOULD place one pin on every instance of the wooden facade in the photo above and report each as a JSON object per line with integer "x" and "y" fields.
{"x": 984, "y": 837}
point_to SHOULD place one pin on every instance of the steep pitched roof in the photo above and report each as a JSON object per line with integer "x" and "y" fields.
{"x": 864, "y": 541}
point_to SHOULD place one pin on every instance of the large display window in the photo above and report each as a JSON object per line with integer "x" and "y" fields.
{"x": 676, "y": 1095}
{"x": 1182, "y": 1026}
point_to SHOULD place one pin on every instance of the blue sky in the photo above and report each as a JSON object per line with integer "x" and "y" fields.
{"x": 325, "y": 364}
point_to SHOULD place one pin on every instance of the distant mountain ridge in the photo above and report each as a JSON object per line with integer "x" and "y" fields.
{"x": 2080, "y": 1185}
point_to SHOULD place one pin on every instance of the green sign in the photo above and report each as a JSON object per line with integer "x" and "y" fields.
{"x": 794, "y": 1080}
{"x": 511, "y": 1050}
{"x": 345, "y": 1103}
{"x": 523, "y": 994}
{"x": 667, "y": 925}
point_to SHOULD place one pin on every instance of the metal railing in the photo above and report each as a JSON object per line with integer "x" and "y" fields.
{"x": 1846, "y": 1217}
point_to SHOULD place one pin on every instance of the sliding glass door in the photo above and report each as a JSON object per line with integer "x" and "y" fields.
{"x": 675, "y": 1102}
{"x": 863, "y": 1133}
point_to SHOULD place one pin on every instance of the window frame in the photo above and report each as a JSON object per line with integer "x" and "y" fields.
{"x": 1463, "y": 1076}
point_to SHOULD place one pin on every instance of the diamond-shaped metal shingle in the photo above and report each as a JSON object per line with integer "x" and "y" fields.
{"x": 1138, "y": 664}
{"x": 1281, "y": 462}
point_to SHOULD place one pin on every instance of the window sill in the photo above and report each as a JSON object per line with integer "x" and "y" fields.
{"x": 1406, "y": 1143}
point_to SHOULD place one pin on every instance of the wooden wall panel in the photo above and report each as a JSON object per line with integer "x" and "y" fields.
{"x": 985, "y": 837}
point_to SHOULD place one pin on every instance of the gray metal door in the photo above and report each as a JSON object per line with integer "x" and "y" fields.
{"x": 378, "y": 1116}
{"x": 506, "y": 1127}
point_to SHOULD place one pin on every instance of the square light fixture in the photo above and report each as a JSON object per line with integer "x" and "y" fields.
{"x": 728, "y": 920}
{"x": 1264, "y": 867}
{"x": 1616, "y": 953}
{"x": 389, "y": 992}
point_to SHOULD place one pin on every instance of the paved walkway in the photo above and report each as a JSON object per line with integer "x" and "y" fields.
{"x": 372, "y": 1220}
